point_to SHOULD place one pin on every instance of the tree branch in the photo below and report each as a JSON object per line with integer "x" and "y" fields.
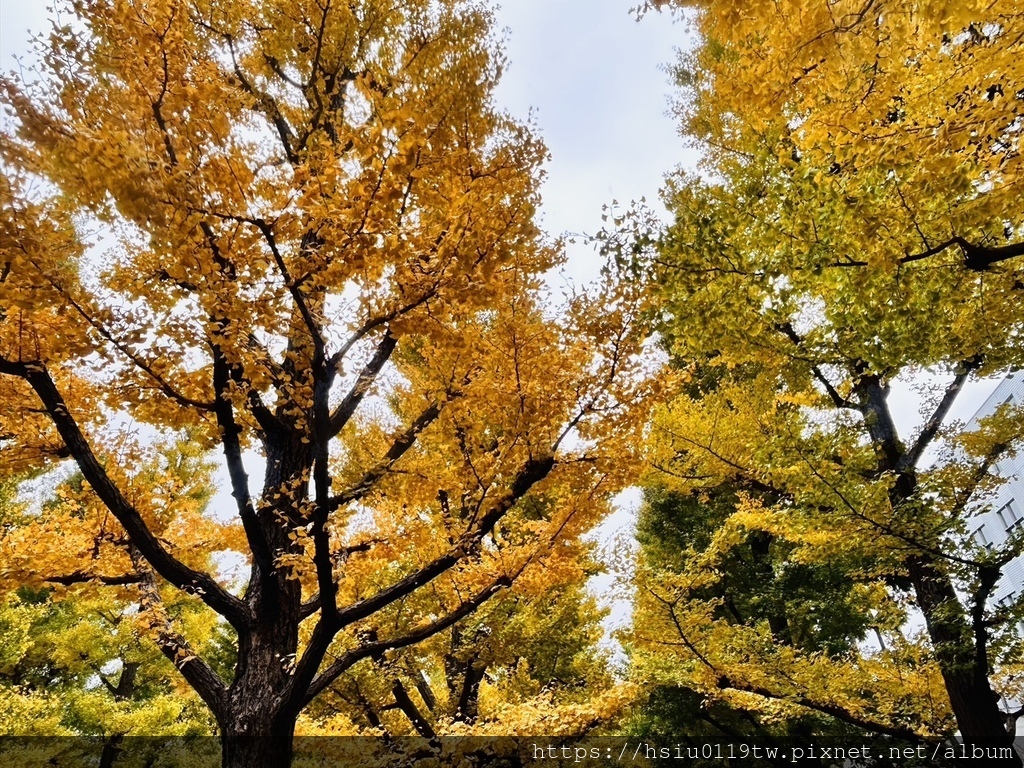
{"x": 411, "y": 711}
{"x": 341, "y": 415}
{"x": 350, "y": 658}
{"x": 838, "y": 400}
{"x": 169, "y": 567}
{"x": 977, "y": 258}
{"x": 194, "y": 669}
{"x": 377, "y": 322}
{"x": 874, "y": 406}
{"x": 81, "y": 577}
{"x": 838, "y": 713}
{"x": 980, "y": 258}
{"x": 910, "y": 459}
{"x": 981, "y": 470}
{"x": 265, "y": 103}
{"x": 398, "y": 449}
{"x": 988, "y": 577}
{"x": 162, "y": 384}
{"x": 314, "y": 603}
{"x": 885, "y": 528}
{"x": 293, "y": 287}
{"x": 236, "y": 467}
{"x": 322, "y": 489}
{"x": 533, "y": 472}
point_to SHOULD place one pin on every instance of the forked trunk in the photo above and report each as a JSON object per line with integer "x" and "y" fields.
{"x": 964, "y": 669}
{"x": 258, "y": 724}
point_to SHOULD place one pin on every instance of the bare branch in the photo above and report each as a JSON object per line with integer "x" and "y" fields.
{"x": 236, "y": 467}
{"x": 838, "y": 400}
{"x": 341, "y": 415}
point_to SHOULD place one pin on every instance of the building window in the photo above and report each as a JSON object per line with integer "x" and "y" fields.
{"x": 981, "y": 538}
{"x": 1009, "y": 517}
{"x": 1006, "y": 604}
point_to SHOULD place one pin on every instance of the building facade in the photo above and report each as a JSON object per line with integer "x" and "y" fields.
{"x": 1003, "y": 513}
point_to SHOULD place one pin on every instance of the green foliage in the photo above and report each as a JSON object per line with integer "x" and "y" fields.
{"x": 814, "y": 264}
{"x": 812, "y": 606}
{"x": 82, "y": 660}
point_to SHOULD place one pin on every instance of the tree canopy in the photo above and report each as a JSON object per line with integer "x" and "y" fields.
{"x": 296, "y": 243}
{"x": 854, "y": 226}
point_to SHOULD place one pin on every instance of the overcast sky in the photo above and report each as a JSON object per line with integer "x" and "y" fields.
{"x": 594, "y": 77}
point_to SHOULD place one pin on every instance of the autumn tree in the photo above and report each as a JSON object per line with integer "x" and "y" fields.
{"x": 77, "y": 660}
{"x": 808, "y": 551}
{"x": 858, "y": 223}
{"x": 905, "y": 112}
{"x": 813, "y": 608}
{"x": 526, "y": 660}
{"x": 526, "y": 663}
{"x": 302, "y": 233}
{"x": 752, "y": 615}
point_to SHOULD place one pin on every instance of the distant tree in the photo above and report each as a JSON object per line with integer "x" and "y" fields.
{"x": 76, "y": 658}
{"x": 758, "y": 595}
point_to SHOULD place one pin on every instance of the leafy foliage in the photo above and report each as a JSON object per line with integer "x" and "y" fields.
{"x": 301, "y": 234}
{"x": 819, "y": 261}
{"x": 76, "y": 658}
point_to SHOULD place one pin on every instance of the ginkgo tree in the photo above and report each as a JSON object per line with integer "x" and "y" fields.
{"x": 779, "y": 625}
{"x": 908, "y": 111}
{"x": 525, "y": 664}
{"x": 301, "y": 231}
{"x": 858, "y": 223}
{"x": 76, "y": 659}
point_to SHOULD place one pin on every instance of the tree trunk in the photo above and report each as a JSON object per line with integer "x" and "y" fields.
{"x": 257, "y": 729}
{"x": 260, "y": 745}
{"x": 962, "y": 657}
{"x": 258, "y": 724}
{"x": 971, "y": 697}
